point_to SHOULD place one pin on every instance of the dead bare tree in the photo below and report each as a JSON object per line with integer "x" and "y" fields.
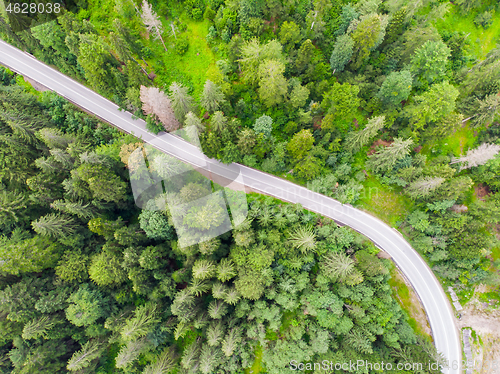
{"x": 156, "y": 102}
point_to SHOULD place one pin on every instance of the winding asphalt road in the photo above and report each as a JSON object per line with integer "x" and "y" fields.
{"x": 424, "y": 282}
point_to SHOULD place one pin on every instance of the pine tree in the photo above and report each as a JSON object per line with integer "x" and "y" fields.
{"x": 81, "y": 359}
{"x": 357, "y": 139}
{"x": 183, "y": 304}
{"x": 487, "y": 111}
{"x": 203, "y": 269}
{"x": 193, "y": 120}
{"x": 13, "y": 206}
{"x": 478, "y": 156}
{"x": 272, "y": 84}
{"x": 337, "y": 266}
{"x": 225, "y": 270}
{"x": 214, "y": 333}
{"x": 37, "y": 328}
{"x": 219, "y": 290}
{"x": 218, "y": 121}
{"x": 191, "y": 355}
{"x": 182, "y": 103}
{"x": 130, "y": 352}
{"x": 212, "y": 96}
{"x": 77, "y": 208}
{"x": 152, "y": 22}
{"x": 164, "y": 363}
{"x": 423, "y": 187}
{"x": 143, "y": 322}
{"x": 342, "y": 53}
{"x": 359, "y": 341}
{"x": 217, "y": 309}
{"x": 232, "y": 296}
{"x": 198, "y": 287}
{"x": 231, "y": 341}
{"x": 385, "y": 158}
{"x": 303, "y": 238}
{"x": 209, "y": 359}
{"x": 55, "y": 225}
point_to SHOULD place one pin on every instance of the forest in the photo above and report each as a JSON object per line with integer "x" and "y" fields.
{"x": 397, "y": 98}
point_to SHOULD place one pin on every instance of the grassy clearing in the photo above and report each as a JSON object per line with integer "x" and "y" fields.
{"x": 197, "y": 64}
{"x": 257, "y": 364}
{"x": 384, "y": 202}
{"x": 457, "y": 143}
{"x": 495, "y": 252}
{"x": 410, "y": 303}
{"x": 481, "y": 40}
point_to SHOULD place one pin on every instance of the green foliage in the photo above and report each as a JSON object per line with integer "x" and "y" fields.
{"x": 73, "y": 267}
{"x": 429, "y": 61}
{"x": 28, "y": 255}
{"x": 432, "y": 106}
{"x": 85, "y": 306}
{"x": 385, "y": 159}
{"x": 263, "y": 125}
{"x": 155, "y": 225}
{"x": 105, "y": 269}
{"x": 300, "y": 144}
{"x": 342, "y": 101}
{"x": 396, "y": 88}
{"x": 342, "y": 53}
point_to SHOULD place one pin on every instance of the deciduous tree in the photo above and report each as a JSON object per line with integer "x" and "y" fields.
{"x": 272, "y": 83}
{"x": 396, "y": 88}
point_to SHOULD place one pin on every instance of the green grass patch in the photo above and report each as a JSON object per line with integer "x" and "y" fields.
{"x": 457, "y": 143}
{"x": 192, "y": 68}
{"x": 488, "y": 296}
{"x": 257, "y": 364}
{"x": 495, "y": 252}
{"x": 384, "y": 202}
{"x": 481, "y": 40}
{"x": 404, "y": 298}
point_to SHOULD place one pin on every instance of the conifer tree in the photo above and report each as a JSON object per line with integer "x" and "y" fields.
{"x": 357, "y": 139}
{"x": 218, "y": 121}
{"x": 130, "y": 352}
{"x": 215, "y": 332}
{"x": 54, "y": 225}
{"x": 81, "y": 359}
{"x": 37, "y": 328}
{"x": 384, "y": 159}
{"x": 144, "y": 320}
{"x": 182, "y": 103}
{"x": 164, "y": 363}
{"x": 212, "y": 96}
{"x": 231, "y": 341}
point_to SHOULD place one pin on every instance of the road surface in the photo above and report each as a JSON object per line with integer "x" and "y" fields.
{"x": 429, "y": 290}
